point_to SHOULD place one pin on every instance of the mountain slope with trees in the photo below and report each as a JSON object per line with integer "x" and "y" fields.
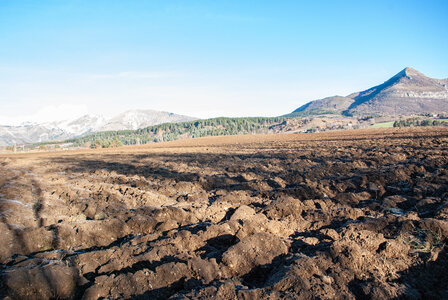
{"x": 173, "y": 131}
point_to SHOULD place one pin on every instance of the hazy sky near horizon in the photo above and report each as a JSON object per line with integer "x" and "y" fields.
{"x": 61, "y": 59}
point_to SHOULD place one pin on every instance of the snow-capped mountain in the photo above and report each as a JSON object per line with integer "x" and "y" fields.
{"x": 59, "y": 130}
{"x": 83, "y": 125}
{"x": 135, "y": 119}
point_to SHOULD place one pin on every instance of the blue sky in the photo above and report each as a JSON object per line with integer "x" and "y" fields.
{"x": 59, "y": 59}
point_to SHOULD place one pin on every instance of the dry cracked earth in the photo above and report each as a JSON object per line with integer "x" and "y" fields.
{"x": 340, "y": 215}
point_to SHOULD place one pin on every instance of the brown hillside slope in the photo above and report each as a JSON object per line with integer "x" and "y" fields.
{"x": 407, "y": 93}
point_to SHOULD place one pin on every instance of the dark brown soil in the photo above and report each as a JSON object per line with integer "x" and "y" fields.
{"x": 340, "y": 215}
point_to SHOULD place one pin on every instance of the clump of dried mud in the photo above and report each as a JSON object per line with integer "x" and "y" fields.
{"x": 361, "y": 214}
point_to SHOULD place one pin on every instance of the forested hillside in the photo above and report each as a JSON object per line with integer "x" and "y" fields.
{"x": 174, "y": 131}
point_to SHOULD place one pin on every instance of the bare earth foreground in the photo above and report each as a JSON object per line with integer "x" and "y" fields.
{"x": 338, "y": 215}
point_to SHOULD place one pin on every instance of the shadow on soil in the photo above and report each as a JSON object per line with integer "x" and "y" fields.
{"x": 22, "y": 243}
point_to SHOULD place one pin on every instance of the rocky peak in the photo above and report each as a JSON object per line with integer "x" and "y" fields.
{"x": 409, "y": 73}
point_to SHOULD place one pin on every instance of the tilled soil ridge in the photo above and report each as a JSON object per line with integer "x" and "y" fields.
{"x": 349, "y": 215}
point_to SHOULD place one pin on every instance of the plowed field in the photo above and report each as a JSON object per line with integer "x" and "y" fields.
{"x": 339, "y": 215}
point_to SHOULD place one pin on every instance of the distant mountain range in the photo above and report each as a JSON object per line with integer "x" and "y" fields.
{"x": 132, "y": 119}
{"x": 408, "y": 92}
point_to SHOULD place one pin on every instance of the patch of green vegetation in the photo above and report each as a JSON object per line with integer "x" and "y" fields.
{"x": 106, "y": 143}
{"x": 424, "y": 241}
{"x": 313, "y": 112}
{"x": 383, "y": 125}
{"x": 411, "y": 122}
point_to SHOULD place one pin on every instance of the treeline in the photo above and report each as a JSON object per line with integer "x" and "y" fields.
{"x": 106, "y": 143}
{"x": 174, "y": 131}
{"x": 412, "y": 122}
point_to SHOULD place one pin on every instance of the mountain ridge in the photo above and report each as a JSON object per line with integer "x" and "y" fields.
{"x": 407, "y": 92}
{"x": 86, "y": 124}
